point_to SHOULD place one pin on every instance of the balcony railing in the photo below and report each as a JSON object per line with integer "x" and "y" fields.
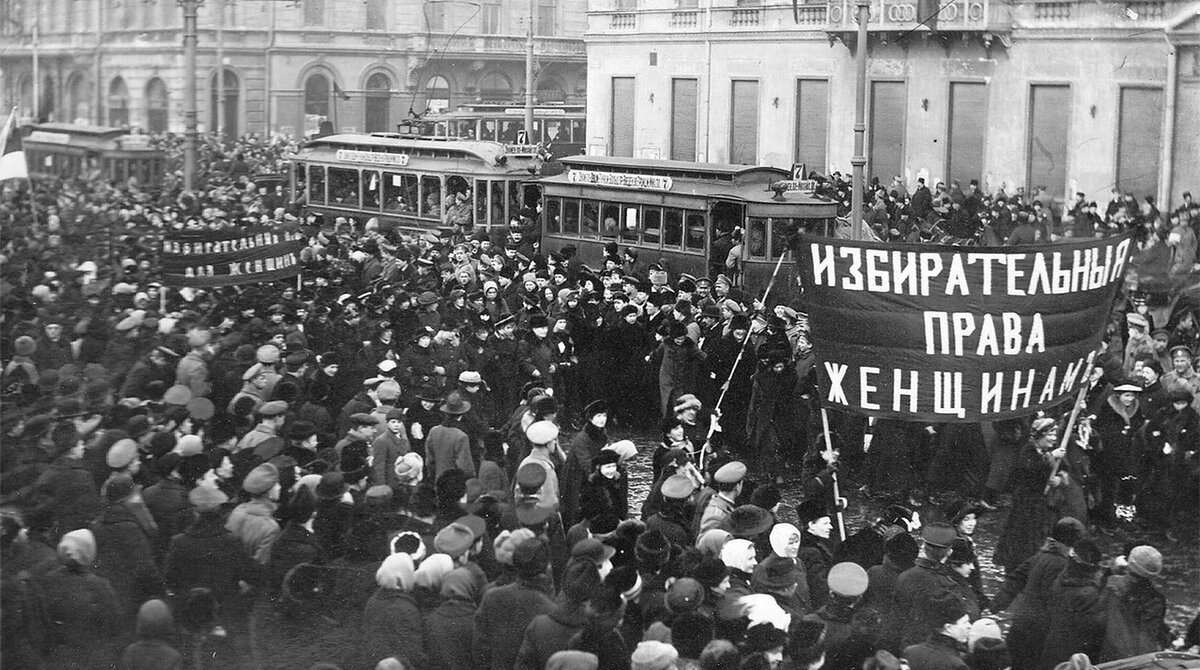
{"x": 1052, "y": 11}
{"x": 685, "y": 19}
{"x": 623, "y": 21}
{"x": 889, "y": 15}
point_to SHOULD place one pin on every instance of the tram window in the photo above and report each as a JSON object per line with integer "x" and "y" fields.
{"x": 553, "y": 130}
{"x": 578, "y": 130}
{"x": 481, "y": 203}
{"x": 508, "y": 130}
{"x": 399, "y": 192}
{"x": 513, "y": 189}
{"x": 458, "y": 207}
{"x": 431, "y": 197}
{"x": 610, "y": 215}
{"x": 651, "y": 226}
{"x": 553, "y": 215}
{"x": 570, "y": 216}
{"x": 465, "y": 129}
{"x": 496, "y": 203}
{"x": 343, "y": 187}
{"x": 756, "y": 238}
{"x": 316, "y": 184}
{"x": 629, "y": 224}
{"x": 672, "y": 227}
{"x": 781, "y": 230}
{"x": 371, "y": 189}
{"x": 695, "y": 232}
{"x": 487, "y": 129}
{"x": 590, "y": 223}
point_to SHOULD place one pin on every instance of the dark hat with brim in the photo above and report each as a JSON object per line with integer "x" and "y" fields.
{"x": 748, "y": 521}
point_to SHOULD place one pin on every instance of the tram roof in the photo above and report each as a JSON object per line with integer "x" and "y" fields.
{"x": 90, "y": 131}
{"x": 675, "y": 169}
{"x": 483, "y": 150}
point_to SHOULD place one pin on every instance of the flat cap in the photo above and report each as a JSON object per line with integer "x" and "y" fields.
{"x": 273, "y": 408}
{"x": 730, "y": 473}
{"x": 261, "y": 479}
{"x": 678, "y": 487}
{"x": 847, "y": 579}
{"x": 541, "y": 432}
{"x": 121, "y": 454}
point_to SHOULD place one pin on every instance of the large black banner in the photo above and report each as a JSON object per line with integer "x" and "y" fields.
{"x": 948, "y": 334}
{"x": 231, "y": 256}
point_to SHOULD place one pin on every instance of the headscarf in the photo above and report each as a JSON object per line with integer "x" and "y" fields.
{"x": 396, "y": 572}
{"x": 433, "y": 570}
{"x": 78, "y": 547}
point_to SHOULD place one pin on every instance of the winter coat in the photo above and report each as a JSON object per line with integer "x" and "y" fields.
{"x": 939, "y": 652}
{"x": 1116, "y": 425}
{"x": 585, "y": 446}
{"x": 167, "y": 502}
{"x": 192, "y": 372}
{"x": 1026, "y": 593}
{"x": 1029, "y": 520}
{"x": 448, "y": 446}
{"x": 82, "y": 616}
{"x": 549, "y": 633}
{"x": 1076, "y": 618}
{"x": 915, "y": 590}
{"x": 386, "y": 449}
{"x": 69, "y": 493}
{"x": 391, "y": 626}
{"x": 537, "y": 355}
{"x": 125, "y": 558}
{"x": 253, "y": 522}
{"x": 817, "y": 558}
{"x": 207, "y": 555}
{"x": 449, "y": 632}
{"x": 501, "y": 620}
{"x": 1134, "y": 618}
{"x": 678, "y": 370}
{"x": 880, "y": 595}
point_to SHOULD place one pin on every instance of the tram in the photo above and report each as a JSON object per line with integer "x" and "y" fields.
{"x": 686, "y": 215}
{"x": 92, "y": 152}
{"x": 417, "y": 184}
{"x": 562, "y": 129}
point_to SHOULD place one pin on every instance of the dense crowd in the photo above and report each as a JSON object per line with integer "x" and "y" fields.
{"x": 402, "y": 458}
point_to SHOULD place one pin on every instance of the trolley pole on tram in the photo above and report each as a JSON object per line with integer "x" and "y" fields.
{"x": 190, "y": 11}
{"x": 529, "y": 75}
{"x": 859, "y": 159}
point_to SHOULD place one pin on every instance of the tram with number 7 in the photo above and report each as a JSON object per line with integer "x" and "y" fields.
{"x": 700, "y": 218}
{"x": 93, "y": 152}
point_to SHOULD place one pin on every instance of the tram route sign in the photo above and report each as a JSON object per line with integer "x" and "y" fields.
{"x": 620, "y": 180}
{"x": 956, "y": 334}
{"x": 371, "y": 157}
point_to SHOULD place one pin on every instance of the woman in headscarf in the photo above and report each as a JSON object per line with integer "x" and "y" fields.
{"x": 450, "y": 628}
{"x": 82, "y": 612}
{"x": 391, "y": 621}
{"x": 427, "y": 581}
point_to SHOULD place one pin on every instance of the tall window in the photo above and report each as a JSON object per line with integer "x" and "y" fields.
{"x": 683, "y": 119}
{"x": 622, "y": 116}
{"x": 379, "y": 102}
{"x": 885, "y": 157}
{"x": 118, "y": 103}
{"x": 1139, "y": 139}
{"x": 1049, "y": 123}
{"x": 495, "y": 86}
{"x": 316, "y": 101}
{"x": 437, "y": 94}
{"x": 79, "y": 97}
{"x": 314, "y": 12}
{"x": 968, "y": 127}
{"x": 376, "y": 15}
{"x": 743, "y": 122}
{"x": 547, "y": 16}
{"x": 812, "y": 122}
{"x": 491, "y": 18}
{"x": 228, "y": 115}
{"x": 157, "y": 104}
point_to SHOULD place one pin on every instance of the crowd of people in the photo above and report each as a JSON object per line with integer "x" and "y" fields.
{"x": 405, "y": 458}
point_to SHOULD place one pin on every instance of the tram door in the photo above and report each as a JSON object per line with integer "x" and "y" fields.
{"x": 724, "y": 216}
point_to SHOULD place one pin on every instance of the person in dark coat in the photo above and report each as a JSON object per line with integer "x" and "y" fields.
{"x": 296, "y": 544}
{"x": 868, "y": 546}
{"x": 772, "y": 424}
{"x": 1027, "y": 589}
{"x": 450, "y": 629}
{"x": 1118, "y": 462}
{"x": 1171, "y": 440}
{"x": 917, "y": 587}
{"x": 391, "y": 624}
{"x": 124, "y": 553}
{"x": 506, "y": 611}
{"x": 601, "y": 635}
{"x": 1029, "y": 520}
{"x": 156, "y": 635}
{"x": 604, "y": 491}
{"x": 881, "y": 587}
{"x": 585, "y": 446}
{"x": 67, "y": 491}
{"x": 940, "y": 651}
{"x": 167, "y": 500}
{"x": 816, "y": 549}
{"x": 553, "y": 631}
{"x": 81, "y": 610}
{"x": 674, "y": 517}
{"x": 1135, "y": 609}
{"x": 678, "y": 362}
{"x": 207, "y": 555}
{"x": 1076, "y": 618}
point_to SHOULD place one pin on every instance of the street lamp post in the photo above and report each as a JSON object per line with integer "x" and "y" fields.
{"x": 529, "y": 74}
{"x": 190, "y": 10}
{"x": 859, "y": 160}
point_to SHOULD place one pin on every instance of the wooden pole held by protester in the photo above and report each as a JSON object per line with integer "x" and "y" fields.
{"x": 837, "y": 495}
{"x": 1079, "y": 399}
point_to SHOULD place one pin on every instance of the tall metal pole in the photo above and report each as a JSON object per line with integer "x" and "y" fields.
{"x": 220, "y": 111}
{"x": 859, "y": 159}
{"x": 37, "y": 77}
{"x": 529, "y": 75}
{"x": 98, "y": 93}
{"x": 189, "y": 101}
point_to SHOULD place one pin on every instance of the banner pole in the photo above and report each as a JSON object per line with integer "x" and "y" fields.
{"x": 837, "y": 495}
{"x": 712, "y": 426}
{"x": 162, "y": 301}
{"x": 1079, "y": 400}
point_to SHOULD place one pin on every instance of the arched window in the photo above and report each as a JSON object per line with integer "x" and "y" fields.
{"x": 316, "y": 102}
{"x": 118, "y": 103}
{"x": 550, "y": 90}
{"x": 157, "y": 104}
{"x": 79, "y": 96}
{"x": 437, "y": 94}
{"x": 229, "y": 117}
{"x": 495, "y": 87}
{"x": 378, "y": 105}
